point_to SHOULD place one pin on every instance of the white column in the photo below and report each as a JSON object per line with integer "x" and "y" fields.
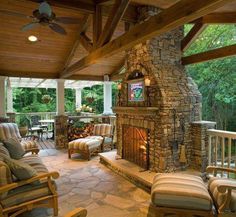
{"x": 2, "y": 96}
{"x": 78, "y": 97}
{"x": 9, "y": 96}
{"x": 107, "y": 93}
{"x": 60, "y": 97}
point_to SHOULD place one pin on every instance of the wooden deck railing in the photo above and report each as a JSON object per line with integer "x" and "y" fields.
{"x": 222, "y": 148}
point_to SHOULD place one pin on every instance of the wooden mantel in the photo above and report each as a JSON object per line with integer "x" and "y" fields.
{"x": 135, "y": 110}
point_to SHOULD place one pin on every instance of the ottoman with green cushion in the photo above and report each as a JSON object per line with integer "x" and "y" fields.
{"x": 85, "y": 146}
{"x": 181, "y": 192}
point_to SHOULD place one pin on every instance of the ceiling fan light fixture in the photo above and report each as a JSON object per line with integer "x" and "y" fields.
{"x": 32, "y": 38}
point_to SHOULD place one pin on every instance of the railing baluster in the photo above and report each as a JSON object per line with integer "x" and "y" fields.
{"x": 209, "y": 150}
{"x": 216, "y": 149}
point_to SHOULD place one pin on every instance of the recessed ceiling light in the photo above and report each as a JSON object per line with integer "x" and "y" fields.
{"x": 32, "y": 38}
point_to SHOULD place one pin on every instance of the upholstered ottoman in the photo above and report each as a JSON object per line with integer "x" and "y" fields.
{"x": 85, "y": 146}
{"x": 180, "y": 194}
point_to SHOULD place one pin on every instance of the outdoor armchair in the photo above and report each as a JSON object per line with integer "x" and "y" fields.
{"x": 79, "y": 212}
{"x": 11, "y": 130}
{"x": 223, "y": 190}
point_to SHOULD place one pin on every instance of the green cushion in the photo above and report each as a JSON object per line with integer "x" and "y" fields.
{"x": 14, "y": 147}
{"x": 20, "y": 169}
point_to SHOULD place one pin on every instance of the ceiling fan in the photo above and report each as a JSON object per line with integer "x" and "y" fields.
{"x": 46, "y": 17}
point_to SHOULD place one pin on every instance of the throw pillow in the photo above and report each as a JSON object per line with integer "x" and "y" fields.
{"x": 3, "y": 150}
{"x": 20, "y": 169}
{"x": 15, "y": 148}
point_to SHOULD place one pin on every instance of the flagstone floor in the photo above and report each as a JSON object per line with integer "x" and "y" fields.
{"x": 91, "y": 185}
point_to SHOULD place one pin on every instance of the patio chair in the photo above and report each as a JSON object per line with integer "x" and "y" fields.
{"x": 101, "y": 140}
{"x": 79, "y": 212}
{"x": 34, "y": 129}
{"x": 35, "y": 123}
{"x": 11, "y": 130}
{"x": 223, "y": 190}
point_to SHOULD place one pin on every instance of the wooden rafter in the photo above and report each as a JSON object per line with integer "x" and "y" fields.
{"x": 97, "y": 24}
{"x": 192, "y": 35}
{"x": 104, "y": 2}
{"x": 86, "y": 42}
{"x": 88, "y": 7}
{"x": 218, "y": 18}
{"x": 83, "y": 26}
{"x": 183, "y": 12}
{"x": 115, "y": 16}
{"x": 210, "y": 55}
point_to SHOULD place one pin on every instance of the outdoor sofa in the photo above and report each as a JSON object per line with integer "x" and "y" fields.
{"x": 25, "y": 181}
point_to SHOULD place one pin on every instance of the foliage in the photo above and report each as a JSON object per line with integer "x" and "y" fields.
{"x": 216, "y": 79}
{"x": 30, "y": 99}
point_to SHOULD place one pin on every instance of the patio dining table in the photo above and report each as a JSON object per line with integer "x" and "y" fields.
{"x": 49, "y": 121}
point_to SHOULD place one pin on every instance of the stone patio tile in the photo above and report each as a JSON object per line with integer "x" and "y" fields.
{"x": 107, "y": 211}
{"x": 96, "y": 195}
{"x": 118, "y": 202}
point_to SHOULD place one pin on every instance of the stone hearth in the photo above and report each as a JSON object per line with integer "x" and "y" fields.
{"x": 171, "y": 91}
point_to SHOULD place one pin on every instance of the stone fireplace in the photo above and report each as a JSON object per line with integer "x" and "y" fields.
{"x": 174, "y": 102}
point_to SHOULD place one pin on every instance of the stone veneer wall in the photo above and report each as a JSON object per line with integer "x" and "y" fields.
{"x": 61, "y": 131}
{"x": 200, "y": 144}
{"x": 160, "y": 60}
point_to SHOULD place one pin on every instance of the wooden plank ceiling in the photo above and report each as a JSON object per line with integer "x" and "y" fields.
{"x": 49, "y": 57}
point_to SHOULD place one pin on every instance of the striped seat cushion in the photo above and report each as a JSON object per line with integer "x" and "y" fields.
{"x": 180, "y": 191}
{"x": 27, "y": 145}
{"x": 220, "y": 198}
{"x": 102, "y": 129}
{"x": 86, "y": 144}
{"x": 25, "y": 193}
{"x": 35, "y": 162}
{"x": 9, "y": 130}
{"x": 5, "y": 177}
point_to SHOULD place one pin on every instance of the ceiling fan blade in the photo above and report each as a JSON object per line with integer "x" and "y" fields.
{"x": 11, "y": 13}
{"x": 45, "y": 8}
{"x": 29, "y": 26}
{"x": 67, "y": 20}
{"x": 57, "y": 28}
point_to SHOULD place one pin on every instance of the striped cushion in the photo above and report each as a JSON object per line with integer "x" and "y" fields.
{"x": 9, "y": 130}
{"x": 102, "y": 129}
{"x": 27, "y": 145}
{"x": 85, "y": 144}
{"x": 3, "y": 150}
{"x": 25, "y": 193}
{"x": 35, "y": 162}
{"x": 180, "y": 191}
{"x": 220, "y": 198}
{"x": 5, "y": 177}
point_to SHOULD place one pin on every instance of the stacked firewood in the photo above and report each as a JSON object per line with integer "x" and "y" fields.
{"x": 75, "y": 132}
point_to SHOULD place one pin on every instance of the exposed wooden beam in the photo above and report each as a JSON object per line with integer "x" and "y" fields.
{"x": 218, "y": 18}
{"x": 23, "y": 74}
{"x": 89, "y": 7}
{"x": 192, "y": 35}
{"x": 210, "y": 55}
{"x": 97, "y": 24}
{"x": 104, "y": 2}
{"x": 117, "y": 77}
{"x": 83, "y": 26}
{"x": 115, "y": 16}
{"x": 41, "y": 82}
{"x": 86, "y": 42}
{"x": 183, "y": 12}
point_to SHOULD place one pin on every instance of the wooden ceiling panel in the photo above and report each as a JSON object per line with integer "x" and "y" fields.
{"x": 46, "y": 55}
